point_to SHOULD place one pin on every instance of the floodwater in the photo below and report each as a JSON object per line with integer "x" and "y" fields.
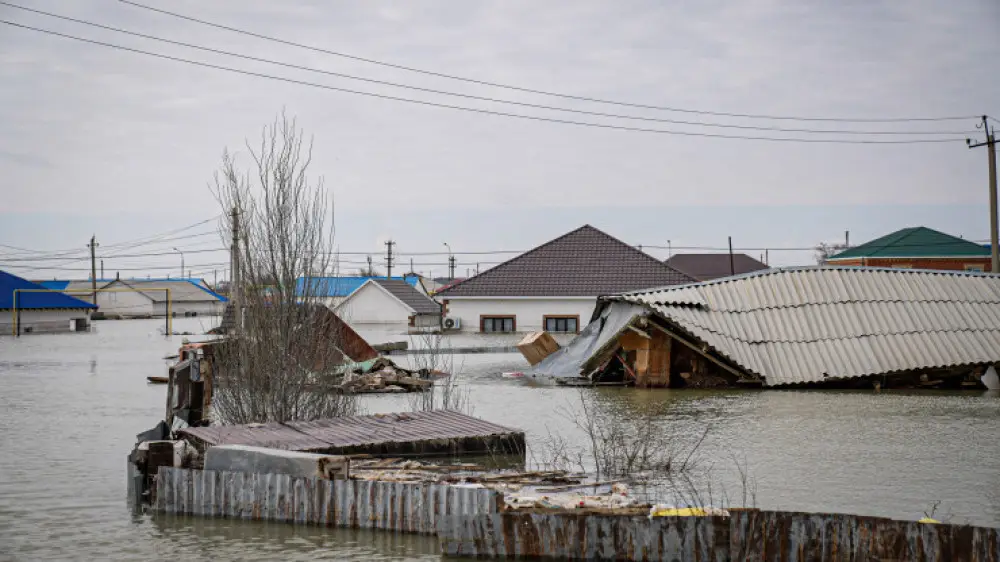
{"x": 70, "y": 406}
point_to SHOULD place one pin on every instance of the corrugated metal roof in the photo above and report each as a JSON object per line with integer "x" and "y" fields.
{"x": 330, "y": 434}
{"x": 808, "y": 324}
{"x": 341, "y": 286}
{"x": 34, "y": 296}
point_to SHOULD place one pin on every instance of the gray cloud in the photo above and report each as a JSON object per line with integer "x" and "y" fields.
{"x": 138, "y": 130}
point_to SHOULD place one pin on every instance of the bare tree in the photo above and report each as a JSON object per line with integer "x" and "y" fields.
{"x": 826, "y": 249}
{"x": 618, "y": 446}
{"x": 274, "y": 368}
{"x": 437, "y": 358}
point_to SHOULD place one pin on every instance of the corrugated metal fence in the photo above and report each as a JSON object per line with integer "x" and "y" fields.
{"x": 749, "y": 535}
{"x": 403, "y": 507}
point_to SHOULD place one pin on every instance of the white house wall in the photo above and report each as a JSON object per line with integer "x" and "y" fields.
{"x": 529, "y": 312}
{"x": 41, "y": 321}
{"x": 372, "y": 305}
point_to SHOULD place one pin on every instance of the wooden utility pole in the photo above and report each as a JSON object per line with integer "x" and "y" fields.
{"x": 93, "y": 267}
{"x": 234, "y": 265}
{"x": 991, "y": 153}
{"x": 388, "y": 258}
{"x": 732, "y": 265}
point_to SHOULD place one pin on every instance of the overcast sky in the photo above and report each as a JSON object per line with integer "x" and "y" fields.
{"x": 121, "y": 145}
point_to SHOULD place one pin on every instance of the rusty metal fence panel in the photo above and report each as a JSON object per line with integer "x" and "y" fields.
{"x": 585, "y": 537}
{"x": 745, "y": 536}
{"x": 394, "y": 506}
{"x": 792, "y": 537}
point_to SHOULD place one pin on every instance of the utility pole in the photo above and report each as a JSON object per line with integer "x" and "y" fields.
{"x": 991, "y": 153}
{"x": 451, "y": 266}
{"x": 102, "y": 269}
{"x": 371, "y": 272}
{"x": 234, "y": 266}
{"x": 93, "y": 267}
{"x": 847, "y": 239}
{"x": 411, "y": 266}
{"x": 732, "y": 266}
{"x": 215, "y": 281}
{"x": 388, "y": 258}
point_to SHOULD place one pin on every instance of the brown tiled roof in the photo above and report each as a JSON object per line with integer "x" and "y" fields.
{"x": 705, "y": 267}
{"x": 585, "y": 262}
{"x": 419, "y": 302}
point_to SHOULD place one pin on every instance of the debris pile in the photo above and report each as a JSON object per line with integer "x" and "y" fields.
{"x": 380, "y": 376}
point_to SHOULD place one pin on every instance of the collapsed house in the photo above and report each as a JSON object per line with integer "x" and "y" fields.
{"x": 805, "y": 326}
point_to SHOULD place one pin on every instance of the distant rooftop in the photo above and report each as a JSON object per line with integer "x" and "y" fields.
{"x": 411, "y": 297}
{"x": 705, "y": 267}
{"x": 341, "y": 286}
{"x": 34, "y": 296}
{"x": 914, "y": 242}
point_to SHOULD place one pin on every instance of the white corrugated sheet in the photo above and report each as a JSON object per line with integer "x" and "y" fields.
{"x": 808, "y": 324}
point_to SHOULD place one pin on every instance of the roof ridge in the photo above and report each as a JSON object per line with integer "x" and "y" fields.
{"x": 586, "y": 227}
{"x": 514, "y": 259}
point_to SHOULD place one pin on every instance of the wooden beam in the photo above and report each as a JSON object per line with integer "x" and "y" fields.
{"x": 703, "y": 352}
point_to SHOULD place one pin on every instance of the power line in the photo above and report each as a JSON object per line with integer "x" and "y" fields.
{"x": 477, "y": 110}
{"x": 536, "y": 91}
{"x": 482, "y": 98}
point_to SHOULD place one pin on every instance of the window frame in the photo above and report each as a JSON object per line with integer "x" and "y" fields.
{"x": 494, "y": 317}
{"x": 547, "y": 317}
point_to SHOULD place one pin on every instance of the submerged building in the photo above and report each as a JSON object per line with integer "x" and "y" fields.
{"x": 822, "y": 326}
{"x": 27, "y": 307}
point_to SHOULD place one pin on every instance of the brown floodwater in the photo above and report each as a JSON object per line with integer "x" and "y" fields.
{"x": 70, "y": 406}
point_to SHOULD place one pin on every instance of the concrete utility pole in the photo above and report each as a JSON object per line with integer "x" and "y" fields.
{"x": 991, "y": 152}
{"x": 182, "y": 261}
{"x": 234, "y": 266}
{"x": 847, "y": 239}
{"x": 102, "y": 269}
{"x": 93, "y": 267}
{"x": 388, "y": 258}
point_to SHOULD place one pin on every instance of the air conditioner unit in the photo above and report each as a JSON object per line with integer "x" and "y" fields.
{"x": 452, "y": 323}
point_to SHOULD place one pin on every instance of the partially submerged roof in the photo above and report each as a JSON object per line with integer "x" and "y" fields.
{"x": 339, "y": 286}
{"x": 408, "y": 295}
{"x": 585, "y": 262}
{"x": 34, "y": 296}
{"x": 335, "y": 434}
{"x": 811, "y": 324}
{"x": 181, "y": 290}
{"x": 915, "y": 242}
{"x": 705, "y": 267}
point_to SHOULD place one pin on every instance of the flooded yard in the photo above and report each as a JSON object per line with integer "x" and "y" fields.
{"x": 70, "y": 406}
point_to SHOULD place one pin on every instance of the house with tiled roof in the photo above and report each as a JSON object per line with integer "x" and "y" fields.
{"x": 27, "y": 307}
{"x": 390, "y": 302}
{"x": 917, "y": 248}
{"x": 553, "y": 287}
{"x": 705, "y": 267}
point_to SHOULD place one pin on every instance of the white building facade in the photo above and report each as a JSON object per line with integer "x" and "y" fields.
{"x": 527, "y": 314}
{"x": 553, "y": 287}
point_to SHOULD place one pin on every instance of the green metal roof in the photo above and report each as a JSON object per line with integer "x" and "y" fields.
{"x": 915, "y": 242}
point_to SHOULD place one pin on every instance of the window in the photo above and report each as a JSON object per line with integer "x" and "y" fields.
{"x": 570, "y": 324}
{"x": 496, "y": 324}
{"x": 973, "y": 267}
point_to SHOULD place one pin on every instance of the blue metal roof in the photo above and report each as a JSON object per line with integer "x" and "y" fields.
{"x": 341, "y": 286}
{"x": 32, "y": 295}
